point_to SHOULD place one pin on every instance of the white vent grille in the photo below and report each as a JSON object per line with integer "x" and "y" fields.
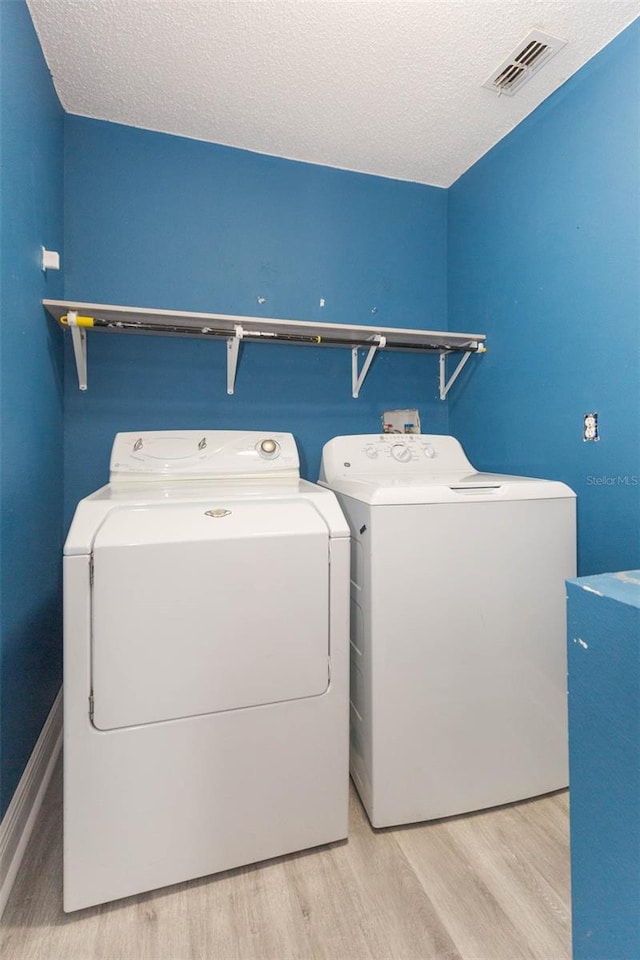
{"x": 532, "y": 53}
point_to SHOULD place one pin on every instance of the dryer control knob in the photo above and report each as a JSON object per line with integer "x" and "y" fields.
{"x": 401, "y": 453}
{"x": 429, "y": 451}
{"x": 269, "y": 448}
{"x": 371, "y": 452}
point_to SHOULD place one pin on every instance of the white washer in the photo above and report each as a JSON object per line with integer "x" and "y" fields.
{"x": 206, "y": 628}
{"x": 458, "y": 664}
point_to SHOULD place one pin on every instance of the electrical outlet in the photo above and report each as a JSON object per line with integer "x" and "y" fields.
{"x": 590, "y": 427}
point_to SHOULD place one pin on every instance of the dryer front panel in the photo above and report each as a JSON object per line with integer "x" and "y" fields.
{"x": 201, "y": 608}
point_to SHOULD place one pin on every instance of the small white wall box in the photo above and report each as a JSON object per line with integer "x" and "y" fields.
{"x": 401, "y": 421}
{"x": 50, "y": 259}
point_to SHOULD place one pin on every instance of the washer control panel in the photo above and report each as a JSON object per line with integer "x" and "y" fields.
{"x": 203, "y": 454}
{"x": 392, "y": 454}
{"x": 403, "y": 450}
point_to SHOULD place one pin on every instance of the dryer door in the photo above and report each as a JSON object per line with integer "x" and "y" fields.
{"x": 205, "y": 607}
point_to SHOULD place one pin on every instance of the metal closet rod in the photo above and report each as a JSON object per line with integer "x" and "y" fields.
{"x": 89, "y": 322}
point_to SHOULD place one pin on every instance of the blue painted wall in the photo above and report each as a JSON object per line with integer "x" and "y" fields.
{"x": 31, "y": 136}
{"x": 604, "y": 752}
{"x": 161, "y": 221}
{"x": 544, "y": 256}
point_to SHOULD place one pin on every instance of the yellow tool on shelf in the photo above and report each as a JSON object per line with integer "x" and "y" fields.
{"x": 80, "y": 321}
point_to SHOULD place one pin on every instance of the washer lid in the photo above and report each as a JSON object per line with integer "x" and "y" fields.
{"x": 452, "y": 488}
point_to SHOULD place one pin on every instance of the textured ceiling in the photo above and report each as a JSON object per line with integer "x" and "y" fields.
{"x": 391, "y": 88}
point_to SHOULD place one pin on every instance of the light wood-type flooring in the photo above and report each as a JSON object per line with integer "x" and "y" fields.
{"x": 489, "y": 886}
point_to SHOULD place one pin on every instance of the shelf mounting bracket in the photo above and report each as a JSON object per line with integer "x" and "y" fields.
{"x": 357, "y": 377}
{"x": 445, "y": 385}
{"x": 79, "y": 339}
{"x": 233, "y": 349}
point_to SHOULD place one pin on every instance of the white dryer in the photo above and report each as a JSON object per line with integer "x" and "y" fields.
{"x": 458, "y": 663}
{"x": 206, "y": 592}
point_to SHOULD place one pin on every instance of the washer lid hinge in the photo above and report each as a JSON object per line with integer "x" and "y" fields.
{"x": 91, "y": 571}
{"x": 91, "y": 706}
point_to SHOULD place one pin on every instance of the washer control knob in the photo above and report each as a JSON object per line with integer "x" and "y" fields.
{"x": 400, "y": 452}
{"x": 371, "y": 452}
{"x": 429, "y": 451}
{"x": 269, "y": 448}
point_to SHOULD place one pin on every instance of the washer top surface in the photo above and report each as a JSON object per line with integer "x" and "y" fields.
{"x": 389, "y": 469}
{"x": 171, "y": 468}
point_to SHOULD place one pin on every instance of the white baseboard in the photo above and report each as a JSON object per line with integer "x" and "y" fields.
{"x": 17, "y": 823}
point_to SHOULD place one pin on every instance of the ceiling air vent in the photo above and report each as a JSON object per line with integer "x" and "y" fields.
{"x": 532, "y": 53}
